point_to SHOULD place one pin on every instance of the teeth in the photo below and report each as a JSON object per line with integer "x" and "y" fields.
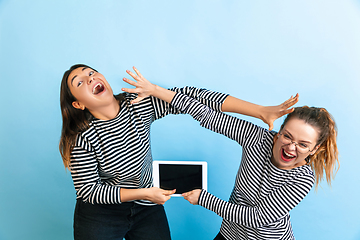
{"x": 94, "y": 88}
{"x": 288, "y": 154}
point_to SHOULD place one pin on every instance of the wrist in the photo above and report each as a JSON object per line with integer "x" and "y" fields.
{"x": 162, "y": 93}
{"x": 127, "y": 195}
{"x": 261, "y": 113}
{"x": 145, "y": 193}
{"x": 155, "y": 90}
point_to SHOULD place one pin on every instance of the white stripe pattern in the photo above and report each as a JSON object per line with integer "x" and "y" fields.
{"x": 116, "y": 153}
{"x": 263, "y": 195}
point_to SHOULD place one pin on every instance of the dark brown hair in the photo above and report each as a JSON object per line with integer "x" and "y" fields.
{"x": 74, "y": 120}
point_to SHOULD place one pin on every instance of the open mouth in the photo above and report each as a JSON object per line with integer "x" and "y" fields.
{"x": 287, "y": 156}
{"x": 98, "y": 88}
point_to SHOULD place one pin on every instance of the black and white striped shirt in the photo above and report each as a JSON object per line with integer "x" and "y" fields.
{"x": 116, "y": 153}
{"x": 263, "y": 195}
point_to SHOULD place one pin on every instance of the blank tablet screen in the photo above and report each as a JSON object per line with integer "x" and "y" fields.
{"x": 183, "y": 178}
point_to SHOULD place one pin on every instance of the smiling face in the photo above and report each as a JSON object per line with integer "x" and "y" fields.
{"x": 295, "y": 142}
{"x": 90, "y": 89}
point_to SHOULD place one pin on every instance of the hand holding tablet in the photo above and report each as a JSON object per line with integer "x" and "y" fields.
{"x": 192, "y": 196}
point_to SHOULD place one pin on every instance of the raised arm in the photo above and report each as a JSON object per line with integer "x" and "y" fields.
{"x": 268, "y": 114}
{"x": 161, "y": 108}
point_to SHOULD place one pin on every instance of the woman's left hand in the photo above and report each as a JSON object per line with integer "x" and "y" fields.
{"x": 192, "y": 196}
{"x": 143, "y": 87}
{"x": 271, "y": 113}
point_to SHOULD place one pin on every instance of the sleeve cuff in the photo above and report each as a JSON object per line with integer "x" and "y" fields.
{"x": 202, "y": 197}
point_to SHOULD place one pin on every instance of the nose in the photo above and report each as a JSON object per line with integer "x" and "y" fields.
{"x": 90, "y": 79}
{"x": 292, "y": 146}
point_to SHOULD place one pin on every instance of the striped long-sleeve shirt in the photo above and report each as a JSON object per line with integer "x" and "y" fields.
{"x": 116, "y": 153}
{"x": 263, "y": 195}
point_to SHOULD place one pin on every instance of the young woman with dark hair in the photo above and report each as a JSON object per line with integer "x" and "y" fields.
{"x": 277, "y": 169}
{"x": 105, "y": 143}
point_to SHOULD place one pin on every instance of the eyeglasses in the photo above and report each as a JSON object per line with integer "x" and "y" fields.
{"x": 300, "y": 147}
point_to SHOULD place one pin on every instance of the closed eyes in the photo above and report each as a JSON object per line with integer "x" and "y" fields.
{"x": 303, "y": 145}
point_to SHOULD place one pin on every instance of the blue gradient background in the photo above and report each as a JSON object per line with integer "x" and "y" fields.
{"x": 260, "y": 51}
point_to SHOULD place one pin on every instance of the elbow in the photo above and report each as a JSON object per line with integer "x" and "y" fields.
{"x": 86, "y": 193}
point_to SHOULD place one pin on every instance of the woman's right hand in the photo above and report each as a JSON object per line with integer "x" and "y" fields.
{"x": 143, "y": 87}
{"x": 158, "y": 195}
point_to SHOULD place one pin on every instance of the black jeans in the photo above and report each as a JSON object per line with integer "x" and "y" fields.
{"x": 219, "y": 237}
{"x": 117, "y": 221}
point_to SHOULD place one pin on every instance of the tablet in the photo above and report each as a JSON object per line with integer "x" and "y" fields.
{"x": 183, "y": 176}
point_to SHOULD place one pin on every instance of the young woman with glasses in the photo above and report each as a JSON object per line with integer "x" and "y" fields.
{"x": 277, "y": 170}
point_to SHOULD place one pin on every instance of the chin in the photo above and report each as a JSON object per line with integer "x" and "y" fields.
{"x": 281, "y": 164}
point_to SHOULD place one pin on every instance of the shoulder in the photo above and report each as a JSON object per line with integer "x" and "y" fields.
{"x": 128, "y": 97}
{"x": 83, "y": 138}
{"x": 303, "y": 175}
{"x": 269, "y": 135}
{"x": 304, "y": 170}
{"x": 263, "y": 138}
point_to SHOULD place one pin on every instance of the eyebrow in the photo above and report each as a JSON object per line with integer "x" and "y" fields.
{"x": 76, "y": 75}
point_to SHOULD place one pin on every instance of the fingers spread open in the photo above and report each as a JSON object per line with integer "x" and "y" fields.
{"x": 131, "y": 82}
{"x": 137, "y": 72}
{"x": 129, "y": 90}
{"x": 132, "y": 74}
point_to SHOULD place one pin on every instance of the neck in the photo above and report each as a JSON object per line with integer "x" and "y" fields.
{"x": 107, "y": 112}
